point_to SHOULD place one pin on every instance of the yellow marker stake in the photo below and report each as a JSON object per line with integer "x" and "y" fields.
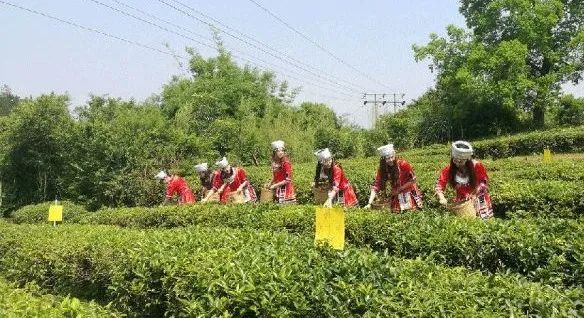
{"x": 55, "y": 213}
{"x": 547, "y": 155}
{"x": 330, "y": 227}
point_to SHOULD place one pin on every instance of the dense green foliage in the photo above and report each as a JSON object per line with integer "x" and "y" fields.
{"x": 238, "y": 111}
{"x": 108, "y": 153}
{"x": 514, "y": 58}
{"x": 503, "y": 74}
{"x": 38, "y": 213}
{"x": 564, "y": 140}
{"x": 30, "y": 302}
{"x": 500, "y": 76}
{"x": 546, "y": 250}
{"x": 36, "y": 150}
{"x": 520, "y": 186}
{"x": 570, "y": 111}
{"x": 198, "y": 271}
{"x": 8, "y": 100}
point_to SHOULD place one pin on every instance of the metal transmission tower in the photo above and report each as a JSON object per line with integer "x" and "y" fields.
{"x": 381, "y": 98}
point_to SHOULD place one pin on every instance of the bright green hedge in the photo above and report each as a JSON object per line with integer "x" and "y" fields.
{"x": 225, "y": 272}
{"x": 544, "y": 250}
{"x": 30, "y": 302}
{"x": 40, "y": 212}
{"x": 562, "y": 140}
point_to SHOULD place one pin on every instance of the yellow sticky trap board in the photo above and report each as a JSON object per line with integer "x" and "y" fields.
{"x": 330, "y": 227}
{"x": 547, "y": 155}
{"x": 56, "y": 213}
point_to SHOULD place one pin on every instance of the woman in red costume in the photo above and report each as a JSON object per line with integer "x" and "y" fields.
{"x": 469, "y": 179}
{"x": 176, "y": 185}
{"x": 395, "y": 182}
{"x": 281, "y": 175}
{"x": 331, "y": 174}
{"x": 231, "y": 181}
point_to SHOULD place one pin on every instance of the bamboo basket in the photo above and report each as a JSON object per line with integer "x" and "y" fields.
{"x": 320, "y": 195}
{"x": 236, "y": 197}
{"x": 266, "y": 195}
{"x": 464, "y": 209}
{"x": 381, "y": 205}
{"x": 214, "y": 198}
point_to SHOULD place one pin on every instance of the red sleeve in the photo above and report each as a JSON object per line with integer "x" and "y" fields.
{"x": 377, "y": 183}
{"x": 241, "y": 175}
{"x": 217, "y": 182}
{"x": 337, "y": 177}
{"x": 406, "y": 167}
{"x": 288, "y": 170}
{"x": 442, "y": 179}
{"x": 171, "y": 188}
{"x": 481, "y": 172}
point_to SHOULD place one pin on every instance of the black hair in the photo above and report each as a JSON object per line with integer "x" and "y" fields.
{"x": 386, "y": 170}
{"x": 329, "y": 173}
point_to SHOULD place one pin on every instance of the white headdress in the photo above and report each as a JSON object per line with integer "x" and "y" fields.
{"x": 323, "y": 154}
{"x": 461, "y": 150}
{"x": 161, "y": 175}
{"x": 222, "y": 163}
{"x": 202, "y": 167}
{"x": 278, "y": 144}
{"x": 386, "y": 151}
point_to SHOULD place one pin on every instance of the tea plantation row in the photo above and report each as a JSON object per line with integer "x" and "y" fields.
{"x": 227, "y": 272}
{"x": 543, "y": 250}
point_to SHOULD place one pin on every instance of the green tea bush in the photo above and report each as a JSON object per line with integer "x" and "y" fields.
{"x": 226, "y": 272}
{"x": 563, "y": 140}
{"x": 30, "y": 302}
{"x": 38, "y": 213}
{"x": 543, "y": 250}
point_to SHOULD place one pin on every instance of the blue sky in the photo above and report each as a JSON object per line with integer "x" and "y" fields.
{"x": 40, "y": 55}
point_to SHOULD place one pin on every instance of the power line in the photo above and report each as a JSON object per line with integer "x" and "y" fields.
{"x": 296, "y": 78}
{"x": 249, "y": 59}
{"x": 89, "y": 29}
{"x": 153, "y": 24}
{"x": 382, "y": 100}
{"x": 161, "y": 20}
{"x": 278, "y": 55}
{"x": 260, "y": 42}
{"x": 93, "y": 30}
{"x": 317, "y": 45}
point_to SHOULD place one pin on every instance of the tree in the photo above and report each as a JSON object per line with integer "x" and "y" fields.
{"x": 516, "y": 55}
{"x": 37, "y": 144}
{"x": 121, "y": 145}
{"x": 8, "y": 100}
{"x": 216, "y": 90}
{"x": 239, "y": 110}
{"x": 571, "y": 111}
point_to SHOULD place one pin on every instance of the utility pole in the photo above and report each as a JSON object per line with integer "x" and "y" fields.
{"x": 396, "y": 102}
{"x": 380, "y": 98}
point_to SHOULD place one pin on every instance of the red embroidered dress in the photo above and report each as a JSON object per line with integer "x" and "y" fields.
{"x": 411, "y": 195}
{"x": 237, "y": 178}
{"x": 345, "y": 193}
{"x": 464, "y": 189}
{"x": 283, "y": 172}
{"x": 178, "y": 185}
